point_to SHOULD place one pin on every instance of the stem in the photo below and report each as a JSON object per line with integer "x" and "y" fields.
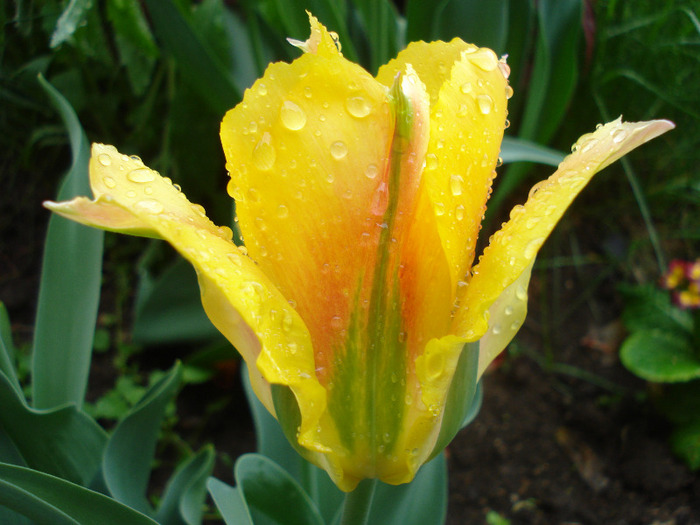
{"x": 357, "y": 503}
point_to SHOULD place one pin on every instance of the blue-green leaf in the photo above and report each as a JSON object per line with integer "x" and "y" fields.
{"x": 521, "y": 150}
{"x": 183, "y": 502}
{"x": 130, "y": 450}
{"x": 272, "y": 495}
{"x": 70, "y": 285}
{"x": 63, "y": 441}
{"x": 229, "y": 502}
{"x": 53, "y": 501}
{"x": 7, "y": 350}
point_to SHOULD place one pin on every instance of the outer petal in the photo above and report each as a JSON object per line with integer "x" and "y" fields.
{"x": 468, "y": 90}
{"x": 512, "y": 250}
{"x": 239, "y": 299}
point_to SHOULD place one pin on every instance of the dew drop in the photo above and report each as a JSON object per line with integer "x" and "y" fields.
{"x": 292, "y": 116}
{"x": 150, "y": 206}
{"x": 484, "y": 59}
{"x": 357, "y": 106}
{"x": 485, "y": 104}
{"x": 459, "y": 212}
{"x": 282, "y": 211}
{"x": 141, "y": 175}
{"x": 336, "y": 322}
{"x": 466, "y": 88}
{"x": 431, "y": 161}
{"x": 521, "y": 293}
{"x": 456, "y": 182}
{"x": 509, "y": 92}
{"x": 618, "y": 135}
{"x": 371, "y": 171}
{"x": 131, "y": 194}
{"x": 339, "y": 150}
{"x": 508, "y": 310}
{"x": 109, "y": 182}
{"x": 439, "y": 209}
{"x": 435, "y": 365}
{"x": 292, "y": 347}
{"x": 307, "y": 92}
{"x": 264, "y": 154}
{"x": 531, "y": 248}
{"x": 262, "y": 89}
{"x": 496, "y": 329}
{"x": 104, "y": 159}
{"x": 287, "y": 321}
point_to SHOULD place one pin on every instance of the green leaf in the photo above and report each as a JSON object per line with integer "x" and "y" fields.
{"x": 71, "y": 18}
{"x": 229, "y": 502}
{"x": 649, "y": 307}
{"x": 381, "y": 24}
{"x": 481, "y": 23}
{"x": 521, "y": 150}
{"x": 137, "y": 49}
{"x": 197, "y": 63}
{"x": 680, "y": 402}
{"x": 53, "y": 501}
{"x": 662, "y": 357}
{"x": 129, "y": 454}
{"x": 183, "y": 502}
{"x": 70, "y": 285}
{"x": 685, "y": 441}
{"x": 272, "y": 443}
{"x": 169, "y": 308}
{"x": 7, "y": 350}
{"x": 63, "y": 441}
{"x": 424, "y": 500}
{"x": 461, "y": 398}
{"x": 272, "y": 495}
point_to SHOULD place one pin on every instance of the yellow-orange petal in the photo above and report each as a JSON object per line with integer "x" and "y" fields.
{"x": 308, "y": 151}
{"x": 239, "y": 299}
{"x": 467, "y": 90}
{"x": 513, "y": 249}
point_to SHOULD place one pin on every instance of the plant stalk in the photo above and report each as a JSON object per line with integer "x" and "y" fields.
{"x": 357, "y": 503}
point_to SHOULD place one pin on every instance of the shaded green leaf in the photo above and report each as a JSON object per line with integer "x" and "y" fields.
{"x": 183, "y": 502}
{"x": 70, "y": 285}
{"x": 63, "y": 442}
{"x": 521, "y": 150}
{"x": 685, "y": 441}
{"x": 648, "y": 307}
{"x": 130, "y": 450}
{"x": 198, "y": 65}
{"x": 71, "y": 18}
{"x": 53, "y": 501}
{"x": 229, "y": 502}
{"x": 169, "y": 308}
{"x": 662, "y": 357}
{"x": 424, "y": 500}
{"x": 7, "y": 350}
{"x": 272, "y": 495}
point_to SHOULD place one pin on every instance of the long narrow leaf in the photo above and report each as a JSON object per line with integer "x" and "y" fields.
{"x": 520, "y": 150}
{"x": 130, "y": 450}
{"x": 7, "y": 350}
{"x": 229, "y": 503}
{"x": 53, "y": 501}
{"x": 70, "y": 285}
{"x": 196, "y": 62}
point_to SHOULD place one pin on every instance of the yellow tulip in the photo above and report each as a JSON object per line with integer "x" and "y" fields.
{"x": 355, "y": 303}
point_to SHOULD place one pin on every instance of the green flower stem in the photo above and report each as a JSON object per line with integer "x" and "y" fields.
{"x": 357, "y": 503}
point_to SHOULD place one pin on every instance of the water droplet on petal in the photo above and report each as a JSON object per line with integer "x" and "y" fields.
{"x": 456, "y": 182}
{"x": 509, "y": 92}
{"x": 150, "y": 206}
{"x": 466, "y": 88}
{"x": 282, "y": 211}
{"x": 339, "y": 150}
{"x": 104, "y": 159}
{"x": 287, "y": 321}
{"x": 521, "y": 293}
{"x": 484, "y": 59}
{"x": 109, "y": 182}
{"x": 431, "y": 161}
{"x": 485, "y": 104}
{"x": 459, "y": 212}
{"x": 292, "y": 116}
{"x": 358, "y": 106}
{"x": 439, "y": 209}
{"x": 371, "y": 171}
{"x": 307, "y": 92}
{"x": 618, "y": 135}
{"x": 531, "y": 248}
{"x": 141, "y": 175}
{"x": 264, "y": 154}
{"x": 496, "y": 329}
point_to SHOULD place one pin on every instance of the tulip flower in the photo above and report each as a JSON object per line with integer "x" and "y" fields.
{"x": 360, "y": 199}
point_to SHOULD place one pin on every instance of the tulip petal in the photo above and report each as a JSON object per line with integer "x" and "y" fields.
{"x": 468, "y": 91}
{"x": 239, "y": 299}
{"x": 512, "y": 250}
